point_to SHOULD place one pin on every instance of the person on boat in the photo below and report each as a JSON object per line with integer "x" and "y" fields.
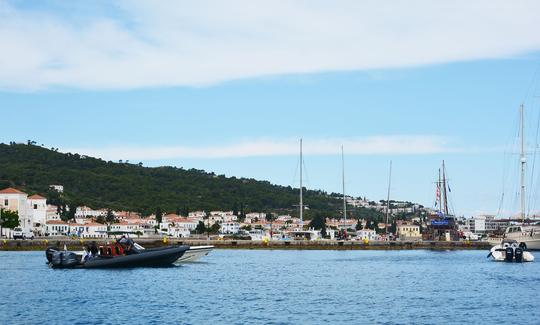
{"x": 127, "y": 244}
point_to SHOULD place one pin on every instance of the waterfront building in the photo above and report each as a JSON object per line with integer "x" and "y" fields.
{"x": 408, "y": 231}
{"x": 367, "y": 234}
{"x": 17, "y": 201}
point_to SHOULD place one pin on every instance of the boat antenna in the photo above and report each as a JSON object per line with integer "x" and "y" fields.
{"x": 388, "y": 199}
{"x": 523, "y": 160}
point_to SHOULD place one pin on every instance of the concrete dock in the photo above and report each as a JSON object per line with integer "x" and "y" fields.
{"x": 76, "y": 244}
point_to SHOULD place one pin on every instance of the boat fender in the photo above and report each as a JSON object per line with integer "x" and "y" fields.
{"x": 523, "y": 246}
{"x": 509, "y": 256}
{"x": 518, "y": 255}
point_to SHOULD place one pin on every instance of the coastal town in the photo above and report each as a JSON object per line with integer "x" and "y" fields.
{"x": 38, "y": 219}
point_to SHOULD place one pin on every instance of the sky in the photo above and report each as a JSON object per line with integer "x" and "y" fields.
{"x": 231, "y": 87}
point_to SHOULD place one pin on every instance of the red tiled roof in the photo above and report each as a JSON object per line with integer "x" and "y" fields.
{"x": 11, "y": 190}
{"x": 56, "y": 222}
{"x": 37, "y": 197}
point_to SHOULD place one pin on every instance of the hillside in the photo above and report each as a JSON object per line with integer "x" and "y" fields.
{"x": 123, "y": 186}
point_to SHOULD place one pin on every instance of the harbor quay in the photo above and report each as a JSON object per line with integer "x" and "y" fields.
{"x": 42, "y": 244}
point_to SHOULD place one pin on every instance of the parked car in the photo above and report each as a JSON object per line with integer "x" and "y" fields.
{"x": 19, "y": 233}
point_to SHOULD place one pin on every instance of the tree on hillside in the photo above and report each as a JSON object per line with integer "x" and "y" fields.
{"x": 215, "y": 228}
{"x": 270, "y": 217}
{"x": 159, "y": 215}
{"x": 200, "y": 229}
{"x": 319, "y": 222}
{"x": 68, "y": 212}
{"x": 110, "y": 217}
{"x": 8, "y": 219}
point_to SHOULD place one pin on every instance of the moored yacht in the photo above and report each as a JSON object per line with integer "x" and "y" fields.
{"x": 528, "y": 235}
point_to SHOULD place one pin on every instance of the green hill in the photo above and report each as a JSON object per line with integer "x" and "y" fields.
{"x": 123, "y": 186}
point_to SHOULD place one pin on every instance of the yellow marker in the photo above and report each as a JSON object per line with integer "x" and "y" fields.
{"x": 366, "y": 241}
{"x": 5, "y": 241}
{"x": 46, "y": 241}
{"x": 165, "y": 239}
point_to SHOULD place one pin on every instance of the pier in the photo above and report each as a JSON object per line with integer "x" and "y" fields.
{"x": 76, "y": 244}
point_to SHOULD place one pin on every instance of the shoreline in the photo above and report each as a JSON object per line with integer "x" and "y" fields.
{"x": 76, "y": 244}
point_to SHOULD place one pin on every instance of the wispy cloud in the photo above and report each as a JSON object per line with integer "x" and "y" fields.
{"x": 374, "y": 145}
{"x": 133, "y": 44}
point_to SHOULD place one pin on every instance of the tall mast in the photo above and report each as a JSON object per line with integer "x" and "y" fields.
{"x": 301, "y": 188}
{"x": 343, "y": 183}
{"x": 444, "y": 189}
{"x": 439, "y": 192}
{"x": 388, "y": 200}
{"x": 523, "y": 162}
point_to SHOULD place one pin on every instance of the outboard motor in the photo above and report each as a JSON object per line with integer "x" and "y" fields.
{"x": 518, "y": 255}
{"x": 509, "y": 257}
{"x": 49, "y": 253}
{"x": 64, "y": 259}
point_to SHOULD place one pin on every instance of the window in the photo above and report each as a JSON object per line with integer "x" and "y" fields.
{"x": 6, "y": 202}
{"x": 35, "y": 206}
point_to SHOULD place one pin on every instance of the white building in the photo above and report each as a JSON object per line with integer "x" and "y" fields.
{"x": 14, "y": 200}
{"x": 38, "y": 205}
{"x": 229, "y": 228}
{"x": 367, "y": 234}
{"x": 86, "y": 212}
{"x": 483, "y": 224}
{"x": 57, "y": 188}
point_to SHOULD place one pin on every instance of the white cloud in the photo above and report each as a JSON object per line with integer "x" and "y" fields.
{"x": 170, "y": 43}
{"x": 374, "y": 145}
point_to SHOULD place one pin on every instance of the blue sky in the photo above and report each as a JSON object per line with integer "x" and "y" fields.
{"x": 118, "y": 81}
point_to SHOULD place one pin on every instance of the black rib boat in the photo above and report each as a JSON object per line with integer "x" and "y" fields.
{"x": 114, "y": 255}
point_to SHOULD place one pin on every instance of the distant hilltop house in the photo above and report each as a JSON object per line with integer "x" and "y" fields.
{"x": 57, "y": 188}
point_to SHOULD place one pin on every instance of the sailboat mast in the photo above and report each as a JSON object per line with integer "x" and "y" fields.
{"x": 523, "y": 161}
{"x": 301, "y": 188}
{"x": 439, "y": 192}
{"x": 343, "y": 183}
{"x": 444, "y": 190}
{"x": 388, "y": 200}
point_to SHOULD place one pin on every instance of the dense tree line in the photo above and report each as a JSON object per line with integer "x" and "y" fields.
{"x": 106, "y": 184}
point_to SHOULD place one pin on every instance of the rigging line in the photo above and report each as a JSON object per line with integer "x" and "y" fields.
{"x": 306, "y": 182}
{"x": 532, "y": 190}
{"x": 532, "y": 82}
{"x": 295, "y": 173}
{"x": 509, "y": 163}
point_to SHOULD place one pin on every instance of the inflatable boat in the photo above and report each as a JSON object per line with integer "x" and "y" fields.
{"x": 114, "y": 255}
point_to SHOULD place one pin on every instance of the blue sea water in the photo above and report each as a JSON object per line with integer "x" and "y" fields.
{"x": 277, "y": 287}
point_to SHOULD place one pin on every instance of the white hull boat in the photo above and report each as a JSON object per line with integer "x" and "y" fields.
{"x": 510, "y": 251}
{"x": 529, "y": 235}
{"x": 194, "y": 253}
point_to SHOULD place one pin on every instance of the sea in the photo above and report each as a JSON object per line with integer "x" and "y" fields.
{"x": 277, "y": 287}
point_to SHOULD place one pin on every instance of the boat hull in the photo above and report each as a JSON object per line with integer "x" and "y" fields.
{"x": 194, "y": 253}
{"x": 148, "y": 258}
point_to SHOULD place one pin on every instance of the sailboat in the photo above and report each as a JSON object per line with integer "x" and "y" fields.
{"x": 444, "y": 224}
{"x": 528, "y": 236}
